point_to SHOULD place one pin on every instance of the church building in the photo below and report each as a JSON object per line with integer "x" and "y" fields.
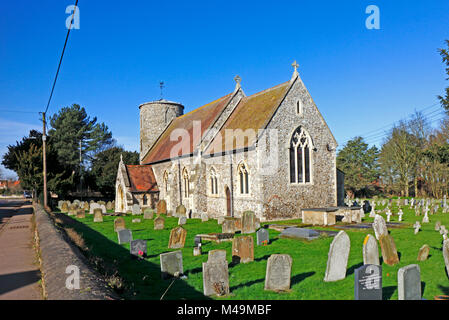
{"x": 271, "y": 152}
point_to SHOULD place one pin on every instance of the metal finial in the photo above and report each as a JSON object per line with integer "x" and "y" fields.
{"x": 161, "y": 85}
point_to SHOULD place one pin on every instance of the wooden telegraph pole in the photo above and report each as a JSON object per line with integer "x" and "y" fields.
{"x": 44, "y": 142}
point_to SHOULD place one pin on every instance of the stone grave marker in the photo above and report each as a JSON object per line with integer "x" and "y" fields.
{"x": 278, "y": 273}
{"x": 136, "y": 221}
{"x": 446, "y": 254}
{"x": 243, "y": 249}
{"x": 72, "y": 209}
{"x": 409, "y": 283}
{"x": 148, "y": 214}
{"x": 197, "y": 251}
{"x": 93, "y": 206}
{"x": 379, "y": 226}
{"x": 182, "y": 220}
{"x": 181, "y": 211}
{"x": 98, "y": 215}
{"x": 124, "y": 236}
{"x": 204, "y": 217}
{"x": 86, "y": 206}
{"x": 337, "y": 261}
{"x": 119, "y": 224}
{"x": 215, "y": 278}
{"x": 80, "y": 214}
{"x": 109, "y": 206}
{"x": 159, "y": 223}
{"x": 417, "y": 226}
{"x": 370, "y": 251}
{"x": 136, "y": 209}
{"x": 161, "y": 207}
{"x": 228, "y": 226}
{"x": 220, "y": 220}
{"x": 299, "y": 233}
{"x": 389, "y": 251}
{"x": 368, "y": 282}
{"x": 138, "y": 248}
{"x": 400, "y": 214}
{"x": 263, "y": 237}
{"x": 437, "y": 226}
{"x": 216, "y": 255}
{"x": 171, "y": 264}
{"x": 423, "y": 253}
{"x": 248, "y": 222}
{"x": 177, "y": 238}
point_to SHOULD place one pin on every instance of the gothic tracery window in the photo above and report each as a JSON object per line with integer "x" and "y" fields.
{"x": 243, "y": 178}
{"x": 213, "y": 181}
{"x": 166, "y": 184}
{"x": 186, "y": 183}
{"x": 300, "y": 157}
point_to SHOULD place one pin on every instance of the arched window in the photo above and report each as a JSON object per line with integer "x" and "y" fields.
{"x": 243, "y": 178}
{"x": 213, "y": 181}
{"x": 145, "y": 200}
{"x": 166, "y": 184}
{"x": 300, "y": 157}
{"x": 186, "y": 183}
{"x": 299, "y": 107}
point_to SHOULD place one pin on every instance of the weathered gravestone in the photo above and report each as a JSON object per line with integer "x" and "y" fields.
{"x": 177, "y": 238}
{"x": 389, "y": 251}
{"x": 263, "y": 237}
{"x": 136, "y": 209}
{"x": 93, "y": 206}
{"x": 98, "y": 215}
{"x": 368, "y": 282}
{"x": 423, "y": 253}
{"x": 204, "y": 217}
{"x": 159, "y": 223}
{"x": 370, "y": 250}
{"x": 228, "y": 226}
{"x": 216, "y": 255}
{"x": 103, "y": 208}
{"x": 161, "y": 207}
{"x": 109, "y": 206}
{"x": 417, "y": 226}
{"x": 446, "y": 254}
{"x": 197, "y": 251}
{"x": 171, "y": 264}
{"x": 215, "y": 278}
{"x": 337, "y": 260}
{"x": 299, "y": 233}
{"x": 379, "y": 226}
{"x": 136, "y": 221}
{"x": 138, "y": 248}
{"x": 72, "y": 209}
{"x": 60, "y": 202}
{"x": 437, "y": 226}
{"x": 248, "y": 222}
{"x": 182, "y": 220}
{"x": 243, "y": 249}
{"x": 148, "y": 214}
{"x": 124, "y": 236}
{"x": 409, "y": 283}
{"x": 181, "y": 211}
{"x": 278, "y": 273}
{"x": 80, "y": 214}
{"x": 119, "y": 224}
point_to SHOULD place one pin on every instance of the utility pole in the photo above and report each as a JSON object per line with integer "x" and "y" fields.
{"x": 44, "y": 143}
{"x": 81, "y": 174}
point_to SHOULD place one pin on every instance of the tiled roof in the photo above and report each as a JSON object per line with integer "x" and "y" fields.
{"x": 253, "y": 113}
{"x": 205, "y": 114}
{"x": 141, "y": 178}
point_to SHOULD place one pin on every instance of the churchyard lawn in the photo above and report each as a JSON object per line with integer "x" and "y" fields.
{"x": 143, "y": 277}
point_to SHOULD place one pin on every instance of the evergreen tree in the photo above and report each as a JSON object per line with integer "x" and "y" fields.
{"x": 445, "y": 57}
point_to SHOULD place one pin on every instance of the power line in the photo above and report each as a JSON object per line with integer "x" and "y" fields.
{"x": 17, "y": 111}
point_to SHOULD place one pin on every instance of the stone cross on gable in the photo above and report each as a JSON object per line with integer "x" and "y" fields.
{"x": 295, "y": 66}
{"x": 237, "y": 80}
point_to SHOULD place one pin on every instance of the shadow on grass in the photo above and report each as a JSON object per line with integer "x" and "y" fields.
{"x": 265, "y": 257}
{"x": 387, "y": 292}
{"x": 246, "y": 284}
{"x": 132, "y": 271}
{"x": 301, "y": 277}
{"x": 443, "y": 289}
{"x": 352, "y": 269}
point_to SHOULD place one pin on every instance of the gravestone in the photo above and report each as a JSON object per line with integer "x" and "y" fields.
{"x": 366, "y": 206}
{"x": 215, "y": 278}
{"x": 93, "y": 206}
{"x": 248, "y": 222}
{"x": 98, "y": 215}
{"x": 263, "y": 237}
{"x": 278, "y": 273}
{"x": 159, "y": 223}
{"x": 370, "y": 250}
{"x": 417, "y": 226}
{"x": 177, "y": 238}
{"x": 103, "y": 208}
{"x": 338, "y": 257}
{"x": 136, "y": 209}
{"x": 60, "y": 202}
{"x": 220, "y": 220}
{"x": 138, "y": 248}
{"x": 409, "y": 283}
{"x": 80, "y": 214}
{"x": 437, "y": 226}
{"x": 161, "y": 207}
{"x": 197, "y": 251}
{"x": 119, "y": 224}
{"x": 86, "y": 206}
{"x": 423, "y": 253}
{"x": 372, "y": 213}
{"x": 216, "y": 255}
{"x": 148, "y": 214}
{"x": 228, "y": 226}
{"x": 72, "y": 209}
{"x": 136, "y": 221}
{"x": 171, "y": 264}
{"x": 243, "y": 249}
{"x": 300, "y": 233}
{"x": 368, "y": 282}
{"x": 446, "y": 254}
{"x": 389, "y": 251}
{"x": 204, "y": 217}
{"x": 400, "y": 214}
{"x": 124, "y": 236}
{"x": 379, "y": 226}
{"x": 109, "y": 206}
{"x": 182, "y": 220}
{"x": 181, "y": 211}
{"x": 197, "y": 241}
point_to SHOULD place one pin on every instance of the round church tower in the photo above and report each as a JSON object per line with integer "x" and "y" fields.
{"x": 154, "y": 118}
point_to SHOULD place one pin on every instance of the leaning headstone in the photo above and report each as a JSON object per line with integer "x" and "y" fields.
{"x": 98, "y": 215}
{"x": 177, "y": 238}
{"x": 182, "y": 220}
{"x": 171, "y": 264}
{"x": 181, "y": 211}
{"x": 159, "y": 223}
{"x": 161, "y": 207}
{"x": 409, "y": 283}
{"x": 138, "y": 248}
{"x": 119, "y": 224}
{"x": 423, "y": 253}
{"x": 136, "y": 209}
{"x": 368, "y": 282}
{"x": 370, "y": 251}
{"x": 216, "y": 255}
{"x": 148, "y": 214}
{"x": 243, "y": 249}
{"x": 124, "y": 236}
{"x": 379, "y": 226}
{"x": 389, "y": 251}
{"x": 215, "y": 278}
{"x": 248, "y": 222}
{"x": 338, "y": 257}
{"x": 278, "y": 273}
{"x": 263, "y": 237}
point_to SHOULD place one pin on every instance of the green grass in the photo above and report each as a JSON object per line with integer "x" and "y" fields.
{"x": 246, "y": 281}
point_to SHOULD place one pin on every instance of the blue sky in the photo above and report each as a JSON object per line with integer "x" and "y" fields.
{"x": 360, "y": 79}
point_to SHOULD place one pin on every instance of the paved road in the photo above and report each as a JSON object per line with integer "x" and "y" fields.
{"x": 19, "y": 271}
